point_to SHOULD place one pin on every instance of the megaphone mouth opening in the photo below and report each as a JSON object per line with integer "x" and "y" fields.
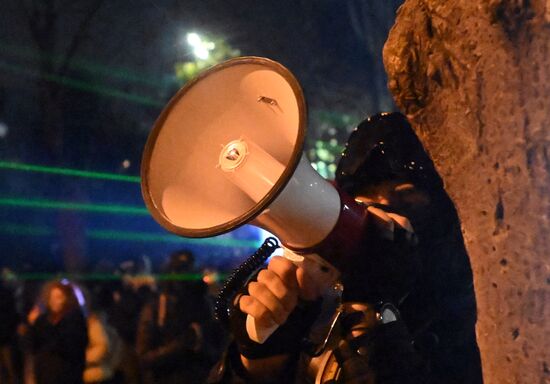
{"x": 233, "y": 155}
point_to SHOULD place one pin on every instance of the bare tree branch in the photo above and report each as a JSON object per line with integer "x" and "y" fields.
{"x": 30, "y": 15}
{"x": 78, "y": 36}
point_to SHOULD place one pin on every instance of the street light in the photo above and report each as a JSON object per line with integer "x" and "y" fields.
{"x": 201, "y": 48}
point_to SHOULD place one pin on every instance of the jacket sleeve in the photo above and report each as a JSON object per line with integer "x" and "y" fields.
{"x": 144, "y": 336}
{"x": 35, "y": 332}
{"x": 229, "y": 370}
{"x": 160, "y": 354}
{"x": 385, "y": 270}
{"x": 74, "y": 338}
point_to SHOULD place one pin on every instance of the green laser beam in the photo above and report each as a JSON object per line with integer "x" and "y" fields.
{"x": 40, "y": 276}
{"x": 110, "y": 234}
{"x": 126, "y": 74}
{"x": 133, "y": 236}
{"x": 67, "y": 172}
{"x": 148, "y": 237}
{"x": 88, "y": 66}
{"x": 69, "y": 206}
{"x": 333, "y": 117}
{"x": 85, "y": 86}
{"x": 25, "y": 230}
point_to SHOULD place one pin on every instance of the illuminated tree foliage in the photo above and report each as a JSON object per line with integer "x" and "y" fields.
{"x": 206, "y": 52}
{"x": 328, "y": 129}
{"x": 327, "y": 138}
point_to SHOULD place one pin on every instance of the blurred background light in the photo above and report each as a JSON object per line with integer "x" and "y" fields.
{"x": 201, "y": 48}
{"x": 3, "y": 130}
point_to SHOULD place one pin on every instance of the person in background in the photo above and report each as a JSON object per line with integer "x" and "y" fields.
{"x": 104, "y": 349}
{"x": 10, "y": 358}
{"x": 58, "y": 335}
{"x": 123, "y": 301}
{"x": 169, "y": 340}
{"x": 127, "y": 297}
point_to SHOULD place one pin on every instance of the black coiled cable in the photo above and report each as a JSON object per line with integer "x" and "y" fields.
{"x": 239, "y": 276}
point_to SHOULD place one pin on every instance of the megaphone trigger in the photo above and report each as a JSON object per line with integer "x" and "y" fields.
{"x": 294, "y": 257}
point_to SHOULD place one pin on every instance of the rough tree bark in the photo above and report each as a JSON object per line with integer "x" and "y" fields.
{"x": 474, "y": 78}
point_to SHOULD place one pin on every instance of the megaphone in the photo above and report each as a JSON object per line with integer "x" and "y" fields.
{"x": 227, "y": 150}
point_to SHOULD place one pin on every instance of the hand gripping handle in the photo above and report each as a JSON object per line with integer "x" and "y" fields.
{"x": 258, "y": 333}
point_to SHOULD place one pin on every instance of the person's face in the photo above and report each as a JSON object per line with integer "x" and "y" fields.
{"x": 57, "y": 300}
{"x": 401, "y": 195}
{"x": 410, "y": 201}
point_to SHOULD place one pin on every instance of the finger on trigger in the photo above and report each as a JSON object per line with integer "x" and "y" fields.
{"x": 257, "y": 310}
{"x": 383, "y": 221}
{"x": 402, "y": 221}
{"x": 261, "y": 293}
{"x": 274, "y": 283}
{"x": 286, "y": 271}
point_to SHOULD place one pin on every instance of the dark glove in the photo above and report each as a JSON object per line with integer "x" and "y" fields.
{"x": 287, "y": 339}
{"x": 386, "y": 270}
{"x": 383, "y": 353}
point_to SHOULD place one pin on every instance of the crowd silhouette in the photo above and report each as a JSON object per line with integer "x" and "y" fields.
{"x": 129, "y": 327}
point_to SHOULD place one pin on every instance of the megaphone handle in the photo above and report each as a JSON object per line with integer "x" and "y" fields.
{"x": 257, "y": 333}
{"x": 260, "y": 334}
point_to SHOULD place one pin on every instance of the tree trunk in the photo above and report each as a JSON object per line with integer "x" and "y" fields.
{"x": 474, "y": 79}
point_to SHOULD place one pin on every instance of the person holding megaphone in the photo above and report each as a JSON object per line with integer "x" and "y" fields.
{"x": 374, "y": 285}
{"x": 407, "y": 311}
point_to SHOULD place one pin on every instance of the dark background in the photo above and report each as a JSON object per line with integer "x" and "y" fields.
{"x": 82, "y": 82}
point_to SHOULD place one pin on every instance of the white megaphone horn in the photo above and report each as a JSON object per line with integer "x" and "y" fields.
{"x": 227, "y": 150}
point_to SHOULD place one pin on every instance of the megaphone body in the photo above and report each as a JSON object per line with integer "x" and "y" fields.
{"x": 227, "y": 150}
